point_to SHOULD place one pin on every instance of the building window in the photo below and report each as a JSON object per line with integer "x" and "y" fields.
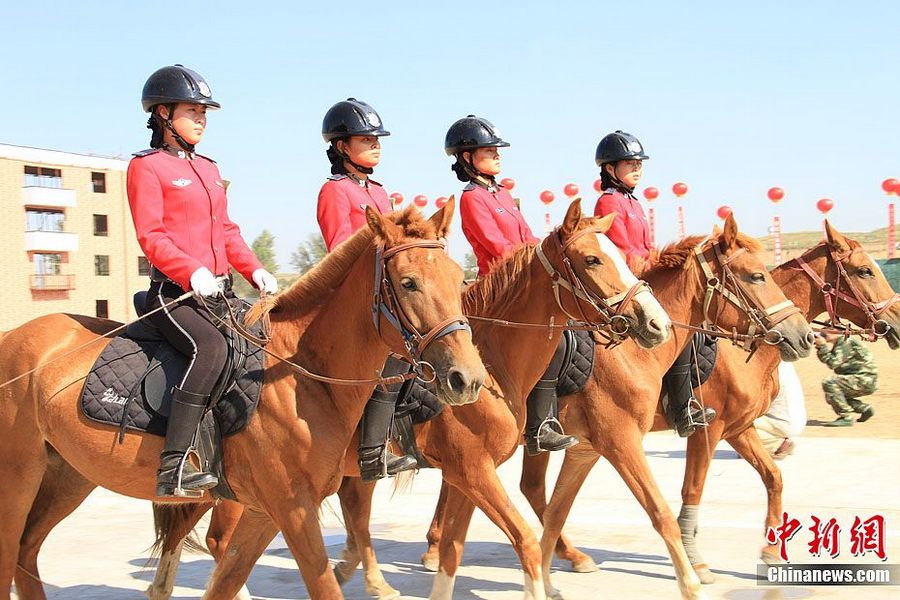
{"x": 143, "y": 266}
{"x": 43, "y": 177}
{"x": 44, "y": 220}
{"x": 47, "y": 264}
{"x": 100, "y": 225}
{"x": 98, "y": 180}
{"x": 101, "y": 264}
{"x": 102, "y": 309}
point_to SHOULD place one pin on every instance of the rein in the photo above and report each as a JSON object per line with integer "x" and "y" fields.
{"x": 762, "y": 319}
{"x": 832, "y": 295}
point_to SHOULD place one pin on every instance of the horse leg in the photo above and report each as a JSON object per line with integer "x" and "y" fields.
{"x": 750, "y": 447}
{"x": 457, "y": 512}
{"x": 22, "y": 481}
{"x": 533, "y": 486}
{"x": 224, "y": 519}
{"x": 483, "y": 488}
{"x": 356, "y": 503}
{"x": 626, "y": 455}
{"x": 431, "y": 558}
{"x": 700, "y": 449}
{"x": 173, "y": 523}
{"x": 578, "y": 462}
{"x": 62, "y": 490}
{"x": 254, "y": 531}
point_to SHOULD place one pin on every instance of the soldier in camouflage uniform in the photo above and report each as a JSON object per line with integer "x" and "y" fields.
{"x": 856, "y": 375}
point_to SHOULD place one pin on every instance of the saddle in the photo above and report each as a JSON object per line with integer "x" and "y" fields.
{"x": 130, "y": 385}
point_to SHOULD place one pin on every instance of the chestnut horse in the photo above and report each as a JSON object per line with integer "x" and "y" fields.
{"x": 740, "y": 392}
{"x": 289, "y": 457}
{"x": 518, "y": 291}
{"x": 616, "y": 408}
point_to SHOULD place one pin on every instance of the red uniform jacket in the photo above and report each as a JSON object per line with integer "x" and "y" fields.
{"x": 629, "y": 231}
{"x": 342, "y": 207}
{"x": 180, "y": 215}
{"x": 492, "y": 223}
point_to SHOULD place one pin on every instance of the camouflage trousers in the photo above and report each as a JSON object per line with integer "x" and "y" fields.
{"x": 842, "y": 391}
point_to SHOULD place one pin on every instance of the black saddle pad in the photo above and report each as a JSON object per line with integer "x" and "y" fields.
{"x": 580, "y": 363}
{"x": 130, "y": 384}
{"x": 707, "y": 352}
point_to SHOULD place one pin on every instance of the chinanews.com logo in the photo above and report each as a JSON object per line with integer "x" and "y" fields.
{"x": 825, "y": 538}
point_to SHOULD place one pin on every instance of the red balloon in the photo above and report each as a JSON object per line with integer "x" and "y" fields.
{"x": 508, "y": 182}
{"x": 571, "y": 190}
{"x": 775, "y": 194}
{"x": 680, "y": 189}
{"x": 891, "y": 186}
{"x": 421, "y": 200}
{"x": 598, "y": 185}
{"x": 396, "y": 198}
{"x": 547, "y": 197}
{"x": 824, "y": 205}
{"x": 724, "y": 211}
{"x": 441, "y": 202}
{"x": 651, "y": 194}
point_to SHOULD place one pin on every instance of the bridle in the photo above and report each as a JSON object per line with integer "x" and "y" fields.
{"x": 832, "y": 295}
{"x": 609, "y": 310}
{"x": 385, "y": 305}
{"x": 762, "y": 319}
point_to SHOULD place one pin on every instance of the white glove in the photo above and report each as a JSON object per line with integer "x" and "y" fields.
{"x": 265, "y": 281}
{"x": 204, "y": 283}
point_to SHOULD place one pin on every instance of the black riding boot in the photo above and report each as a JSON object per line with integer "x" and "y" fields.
{"x": 184, "y": 419}
{"x": 543, "y": 431}
{"x": 683, "y": 411}
{"x": 375, "y": 459}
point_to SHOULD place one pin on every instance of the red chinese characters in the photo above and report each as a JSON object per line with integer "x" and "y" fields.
{"x": 868, "y": 536}
{"x": 783, "y": 533}
{"x": 826, "y": 536}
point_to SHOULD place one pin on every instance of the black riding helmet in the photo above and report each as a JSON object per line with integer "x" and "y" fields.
{"x": 171, "y": 85}
{"x": 470, "y": 133}
{"x": 351, "y": 117}
{"x": 619, "y": 146}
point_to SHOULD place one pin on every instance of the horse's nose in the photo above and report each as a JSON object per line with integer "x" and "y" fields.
{"x": 809, "y": 339}
{"x": 658, "y": 326}
{"x": 461, "y": 382}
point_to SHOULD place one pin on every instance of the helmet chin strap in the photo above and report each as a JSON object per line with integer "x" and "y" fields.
{"x": 618, "y": 183}
{"x": 471, "y": 171}
{"x": 167, "y": 123}
{"x": 358, "y": 167}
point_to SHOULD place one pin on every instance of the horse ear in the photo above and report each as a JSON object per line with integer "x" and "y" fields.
{"x": 442, "y": 218}
{"x": 717, "y": 231}
{"x": 730, "y": 235}
{"x": 573, "y": 216}
{"x": 604, "y": 223}
{"x": 385, "y": 230}
{"x": 835, "y": 239}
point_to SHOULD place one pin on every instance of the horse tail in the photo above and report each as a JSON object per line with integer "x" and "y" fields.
{"x": 171, "y": 522}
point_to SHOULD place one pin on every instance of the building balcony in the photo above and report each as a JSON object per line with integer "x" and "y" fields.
{"x": 51, "y": 241}
{"x": 53, "y": 282}
{"x": 47, "y": 196}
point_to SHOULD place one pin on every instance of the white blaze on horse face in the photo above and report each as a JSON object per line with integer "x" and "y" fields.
{"x": 647, "y": 301}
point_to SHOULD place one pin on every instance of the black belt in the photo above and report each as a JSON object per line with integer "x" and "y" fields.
{"x": 157, "y": 276}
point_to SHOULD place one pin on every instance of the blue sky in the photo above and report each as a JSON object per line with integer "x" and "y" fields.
{"x": 729, "y": 98}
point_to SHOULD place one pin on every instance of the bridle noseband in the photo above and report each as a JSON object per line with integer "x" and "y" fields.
{"x": 385, "y": 305}
{"x": 832, "y": 294}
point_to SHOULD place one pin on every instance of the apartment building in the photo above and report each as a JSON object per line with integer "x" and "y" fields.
{"x": 67, "y": 242}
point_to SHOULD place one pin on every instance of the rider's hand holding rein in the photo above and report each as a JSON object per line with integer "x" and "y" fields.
{"x": 204, "y": 283}
{"x": 265, "y": 281}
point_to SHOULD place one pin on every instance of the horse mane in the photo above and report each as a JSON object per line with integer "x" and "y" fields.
{"x": 313, "y": 289}
{"x": 676, "y": 254}
{"x": 501, "y": 284}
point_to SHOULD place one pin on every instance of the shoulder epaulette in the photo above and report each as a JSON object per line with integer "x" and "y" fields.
{"x": 146, "y": 152}
{"x": 337, "y": 177}
{"x": 470, "y": 186}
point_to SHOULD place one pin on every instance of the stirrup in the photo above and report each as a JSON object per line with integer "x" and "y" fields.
{"x": 533, "y": 442}
{"x": 165, "y": 490}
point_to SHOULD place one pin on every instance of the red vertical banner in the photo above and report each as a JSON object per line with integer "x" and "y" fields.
{"x": 776, "y": 231}
{"x": 651, "y": 221}
{"x": 681, "y": 232}
{"x": 891, "y": 232}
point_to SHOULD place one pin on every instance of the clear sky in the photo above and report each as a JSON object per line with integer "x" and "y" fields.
{"x": 730, "y": 98}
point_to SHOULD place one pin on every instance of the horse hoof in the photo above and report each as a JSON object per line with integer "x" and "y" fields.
{"x": 770, "y": 558}
{"x": 383, "y": 591}
{"x": 706, "y": 576}
{"x": 555, "y": 595}
{"x": 585, "y": 565}
{"x": 432, "y": 563}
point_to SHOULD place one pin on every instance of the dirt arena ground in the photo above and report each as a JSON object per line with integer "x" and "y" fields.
{"x": 100, "y": 552}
